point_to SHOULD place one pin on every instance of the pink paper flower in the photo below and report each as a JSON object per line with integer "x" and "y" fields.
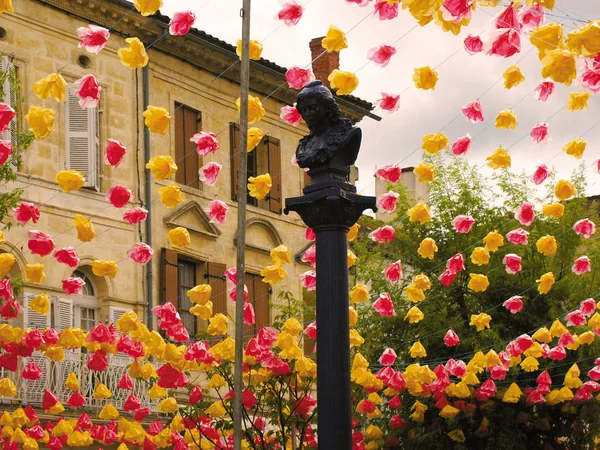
{"x": 512, "y": 263}
{"x": 585, "y": 228}
{"x": 233, "y": 294}
{"x": 541, "y": 173}
{"x": 297, "y": 77}
{"x": 514, "y": 304}
{"x": 525, "y": 214}
{"x": 447, "y": 277}
{"x": 290, "y": 13}
{"x": 311, "y": 330}
{"x": 291, "y": 115}
{"x": 6, "y": 149}
{"x": 575, "y": 318}
{"x": 93, "y": 38}
{"x": 68, "y": 256}
{"x": 531, "y": 18}
{"x": 249, "y": 316}
{"x": 181, "y": 23}
{"x": 385, "y": 11}
{"x": 473, "y": 112}
{"x": 505, "y": 43}
{"x": 544, "y": 90}
{"x": 360, "y": 3}
{"x": 206, "y": 142}
{"x": 387, "y": 201}
{"x": 310, "y": 256}
{"x": 389, "y": 102}
{"x": 140, "y": 253}
{"x": 6, "y": 289}
{"x": 309, "y": 234}
{"x": 390, "y": 173}
{"x": 115, "y": 151}
{"x": 381, "y": 55}
{"x": 582, "y": 265}
{"x": 456, "y": 263}
{"x": 135, "y": 215}
{"x": 384, "y": 306}
{"x": 540, "y": 134}
{"x": 119, "y": 195}
{"x": 209, "y": 172}
{"x": 388, "y": 357}
{"x": 451, "y": 339}
{"x": 88, "y": 92}
{"x": 40, "y": 243}
{"x": 383, "y": 235}
{"x": 25, "y": 212}
{"x": 461, "y": 145}
{"x": 588, "y": 306}
{"x": 473, "y": 44}
{"x": 393, "y": 272}
{"x": 217, "y": 211}
{"x": 508, "y": 19}
{"x": 309, "y": 280}
{"x": 6, "y": 115}
{"x": 456, "y": 368}
{"x": 598, "y": 166}
{"x": 73, "y": 285}
{"x": 517, "y": 237}
{"x": 457, "y": 10}
{"x": 231, "y": 275}
{"x": 463, "y": 223}
{"x": 590, "y": 81}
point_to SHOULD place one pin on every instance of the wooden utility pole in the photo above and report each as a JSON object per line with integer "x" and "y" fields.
{"x": 241, "y": 226}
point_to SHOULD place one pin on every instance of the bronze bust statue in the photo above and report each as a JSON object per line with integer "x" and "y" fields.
{"x": 333, "y": 143}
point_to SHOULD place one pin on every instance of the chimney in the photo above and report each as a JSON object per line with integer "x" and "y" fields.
{"x": 325, "y": 63}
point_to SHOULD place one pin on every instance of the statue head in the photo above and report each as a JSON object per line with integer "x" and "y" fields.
{"x": 316, "y": 105}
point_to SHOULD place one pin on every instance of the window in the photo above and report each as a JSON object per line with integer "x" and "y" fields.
{"x": 258, "y": 295}
{"x": 8, "y": 77}
{"x": 83, "y": 139}
{"x": 265, "y": 158}
{"x": 188, "y": 122}
{"x": 87, "y": 318}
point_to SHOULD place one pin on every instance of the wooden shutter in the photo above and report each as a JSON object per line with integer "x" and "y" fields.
{"x": 261, "y": 303}
{"x": 169, "y": 277}
{"x": 234, "y": 143}
{"x": 115, "y": 313}
{"x": 10, "y": 97}
{"x": 82, "y": 139}
{"x": 275, "y": 199}
{"x": 216, "y": 278}
{"x": 187, "y": 123}
{"x": 179, "y": 144}
{"x": 63, "y": 313}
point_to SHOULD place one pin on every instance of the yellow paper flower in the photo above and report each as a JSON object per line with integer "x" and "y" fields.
{"x": 6, "y": 6}
{"x": 147, "y": 7}
{"x": 553, "y": 210}
{"x": 292, "y": 326}
{"x": 417, "y": 350}
{"x": 478, "y": 282}
{"x": 70, "y": 180}
{"x": 352, "y": 316}
{"x": 101, "y": 392}
{"x": 84, "y": 227}
{"x": 255, "y": 135}
{"x": 157, "y": 120}
{"x": 102, "y": 268}
{"x": 414, "y": 294}
{"x": 564, "y": 190}
{"x": 7, "y": 388}
{"x": 560, "y": 66}
{"x": 356, "y": 340}
{"x": 547, "y": 38}
{"x": 256, "y": 49}
{"x": 260, "y": 186}
{"x": 216, "y": 382}
{"x": 171, "y": 195}
{"x": 512, "y": 394}
{"x": 578, "y": 101}
{"x": 419, "y": 213}
{"x": 427, "y": 248}
{"x": 216, "y": 410}
{"x": 481, "y": 321}
{"x": 506, "y": 119}
{"x": 135, "y": 55}
{"x": 499, "y": 159}
{"x": 425, "y": 172}
{"x": 359, "y": 294}
{"x": 218, "y": 325}
{"x": 542, "y": 335}
{"x": 109, "y": 412}
{"x": 255, "y": 109}
{"x": 414, "y": 315}
{"x": 273, "y": 274}
{"x": 162, "y": 166}
{"x": 40, "y": 304}
{"x": 353, "y": 232}
{"x": 72, "y": 383}
{"x": 457, "y": 435}
{"x": 585, "y": 41}
{"x": 343, "y": 82}
{"x": 127, "y": 322}
{"x": 449, "y": 412}
{"x": 530, "y": 364}
{"x": 546, "y": 282}
{"x": 179, "y": 237}
{"x": 575, "y": 148}
{"x": 480, "y": 256}
{"x": 434, "y": 143}
{"x": 422, "y": 282}
{"x": 425, "y": 78}
{"x": 351, "y": 258}
{"x": 168, "y": 405}
{"x": 547, "y": 245}
{"x": 200, "y": 294}
{"x": 513, "y": 77}
{"x": 204, "y": 311}
{"x": 52, "y": 85}
{"x": 2, "y": 238}
{"x": 34, "y": 273}
{"x": 281, "y": 255}
{"x": 41, "y": 121}
{"x": 334, "y": 40}
{"x": 6, "y": 262}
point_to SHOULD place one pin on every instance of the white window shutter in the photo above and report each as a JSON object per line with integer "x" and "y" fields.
{"x": 31, "y": 318}
{"x": 115, "y": 313}
{"x": 63, "y": 313}
{"x": 82, "y": 139}
{"x": 10, "y": 97}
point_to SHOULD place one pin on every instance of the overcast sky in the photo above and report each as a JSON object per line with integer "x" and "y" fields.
{"x": 462, "y": 78}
